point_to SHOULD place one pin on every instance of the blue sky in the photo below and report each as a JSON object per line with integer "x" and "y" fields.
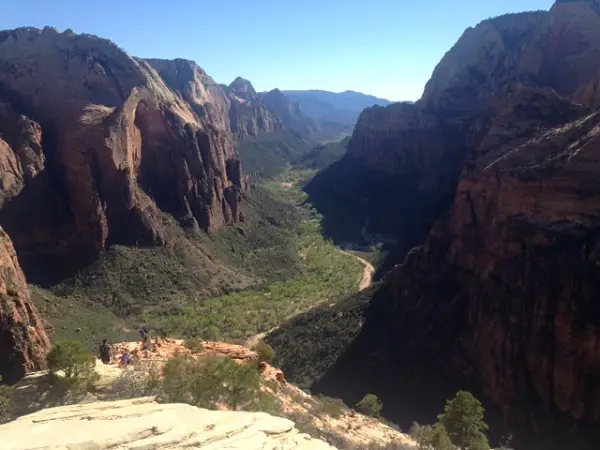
{"x": 386, "y": 48}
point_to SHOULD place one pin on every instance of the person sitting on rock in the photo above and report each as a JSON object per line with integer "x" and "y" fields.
{"x": 105, "y": 352}
{"x": 125, "y": 359}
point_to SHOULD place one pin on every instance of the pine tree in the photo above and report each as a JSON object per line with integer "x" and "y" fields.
{"x": 463, "y": 420}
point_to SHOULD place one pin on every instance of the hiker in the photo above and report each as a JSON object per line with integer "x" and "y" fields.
{"x": 125, "y": 359}
{"x": 145, "y": 338}
{"x": 105, "y": 352}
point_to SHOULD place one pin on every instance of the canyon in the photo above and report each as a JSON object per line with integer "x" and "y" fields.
{"x": 487, "y": 189}
{"x": 109, "y": 162}
{"x": 489, "y": 183}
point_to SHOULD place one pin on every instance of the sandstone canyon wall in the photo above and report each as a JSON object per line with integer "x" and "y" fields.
{"x": 23, "y": 339}
{"x": 423, "y": 147}
{"x": 96, "y": 145}
{"x": 502, "y": 297}
{"x": 235, "y": 109}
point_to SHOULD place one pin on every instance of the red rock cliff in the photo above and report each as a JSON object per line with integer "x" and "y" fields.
{"x": 235, "y": 109}
{"x": 23, "y": 340}
{"x": 425, "y": 145}
{"x": 100, "y": 145}
{"x": 503, "y": 295}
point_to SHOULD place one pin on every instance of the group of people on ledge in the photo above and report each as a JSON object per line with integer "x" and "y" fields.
{"x": 125, "y": 358}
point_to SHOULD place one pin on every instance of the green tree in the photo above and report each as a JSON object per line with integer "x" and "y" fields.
{"x": 72, "y": 357}
{"x": 370, "y": 405}
{"x": 265, "y": 351}
{"x": 463, "y": 420}
{"x": 194, "y": 344}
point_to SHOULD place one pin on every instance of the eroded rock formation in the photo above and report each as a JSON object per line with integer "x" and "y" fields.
{"x": 100, "y": 145}
{"x": 23, "y": 339}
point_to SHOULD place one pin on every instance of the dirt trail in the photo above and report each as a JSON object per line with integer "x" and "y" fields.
{"x": 368, "y": 273}
{"x": 365, "y": 282}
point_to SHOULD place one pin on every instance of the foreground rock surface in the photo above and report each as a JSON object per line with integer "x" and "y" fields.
{"x": 35, "y": 392}
{"x": 142, "y": 423}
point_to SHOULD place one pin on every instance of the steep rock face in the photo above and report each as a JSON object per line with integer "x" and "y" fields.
{"x": 242, "y": 88}
{"x": 554, "y": 49}
{"x": 197, "y": 88}
{"x": 23, "y": 339}
{"x": 501, "y": 298}
{"x": 290, "y": 112}
{"x": 100, "y": 145}
{"x": 234, "y": 109}
{"x": 248, "y": 115}
{"x": 252, "y": 117}
{"x": 505, "y": 286}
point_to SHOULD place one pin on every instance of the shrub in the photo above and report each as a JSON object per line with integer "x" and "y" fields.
{"x": 5, "y": 402}
{"x": 431, "y": 437}
{"x": 333, "y": 407}
{"x": 73, "y": 358}
{"x": 138, "y": 380}
{"x": 370, "y": 405}
{"x": 265, "y": 352}
{"x": 206, "y": 382}
{"x": 194, "y": 344}
{"x": 463, "y": 420}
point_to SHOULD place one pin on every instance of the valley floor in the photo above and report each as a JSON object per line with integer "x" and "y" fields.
{"x": 275, "y": 266}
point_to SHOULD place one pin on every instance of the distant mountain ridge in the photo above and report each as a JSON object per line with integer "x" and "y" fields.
{"x": 343, "y": 107}
{"x": 294, "y": 118}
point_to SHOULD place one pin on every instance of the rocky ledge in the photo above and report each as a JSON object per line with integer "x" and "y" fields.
{"x": 143, "y": 423}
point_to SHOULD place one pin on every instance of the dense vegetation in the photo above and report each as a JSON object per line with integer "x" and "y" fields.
{"x": 366, "y": 206}
{"x": 326, "y": 274}
{"x": 309, "y": 344}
